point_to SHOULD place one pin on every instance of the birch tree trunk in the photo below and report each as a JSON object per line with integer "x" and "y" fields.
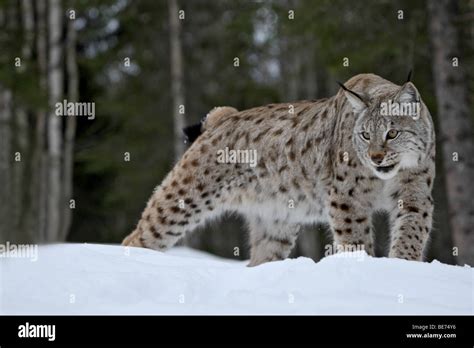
{"x": 455, "y": 125}
{"x": 55, "y": 85}
{"x": 70, "y": 133}
{"x": 177, "y": 87}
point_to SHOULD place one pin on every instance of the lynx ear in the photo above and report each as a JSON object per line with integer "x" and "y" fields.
{"x": 408, "y": 94}
{"x": 357, "y": 101}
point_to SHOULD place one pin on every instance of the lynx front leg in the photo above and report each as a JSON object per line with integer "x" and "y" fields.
{"x": 411, "y": 219}
{"x": 350, "y": 221}
{"x": 270, "y": 240}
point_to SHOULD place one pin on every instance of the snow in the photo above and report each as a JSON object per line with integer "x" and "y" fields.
{"x": 111, "y": 279}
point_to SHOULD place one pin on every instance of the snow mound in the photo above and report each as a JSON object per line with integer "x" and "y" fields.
{"x": 107, "y": 279}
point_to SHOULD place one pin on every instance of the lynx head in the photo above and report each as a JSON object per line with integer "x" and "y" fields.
{"x": 392, "y": 129}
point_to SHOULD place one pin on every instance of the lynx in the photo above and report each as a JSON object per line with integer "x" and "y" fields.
{"x": 335, "y": 160}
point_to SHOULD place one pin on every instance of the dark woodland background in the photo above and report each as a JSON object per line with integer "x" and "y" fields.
{"x": 45, "y": 57}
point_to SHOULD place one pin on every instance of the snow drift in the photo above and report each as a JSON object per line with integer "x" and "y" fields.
{"x": 105, "y": 279}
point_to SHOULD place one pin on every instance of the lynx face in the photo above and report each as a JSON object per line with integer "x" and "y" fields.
{"x": 390, "y": 132}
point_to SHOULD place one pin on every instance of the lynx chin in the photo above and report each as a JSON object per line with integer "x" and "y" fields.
{"x": 340, "y": 159}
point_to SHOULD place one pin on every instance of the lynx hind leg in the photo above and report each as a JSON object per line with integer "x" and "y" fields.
{"x": 182, "y": 202}
{"x": 270, "y": 240}
{"x": 161, "y": 225}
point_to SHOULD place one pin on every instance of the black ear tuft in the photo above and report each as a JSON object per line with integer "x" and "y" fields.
{"x": 409, "y": 76}
{"x": 191, "y": 133}
{"x": 352, "y": 92}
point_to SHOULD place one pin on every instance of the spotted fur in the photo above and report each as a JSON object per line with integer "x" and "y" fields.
{"x": 313, "y": 166}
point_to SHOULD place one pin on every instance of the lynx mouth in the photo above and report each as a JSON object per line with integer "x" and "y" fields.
{"x": 385, "y": 169}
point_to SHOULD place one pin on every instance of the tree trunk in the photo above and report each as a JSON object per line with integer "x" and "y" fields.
{"x": 177, "y": 86}
{"x": 455, "y": 126}
{"x": 55, "y": 86}
{"x": 73, "y": 91}
{"x": 38, "y": 187}
{"x": 8, "y": 169}
{"x": 17, "y": 199}
{"x": 28, "y": 28}
{"x": 6, "y": 222}
{"x": 21, "y": 201}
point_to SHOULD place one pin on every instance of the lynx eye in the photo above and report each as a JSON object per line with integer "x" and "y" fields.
{"x": 392, "y": 134}
{"x": 365, "y": 135}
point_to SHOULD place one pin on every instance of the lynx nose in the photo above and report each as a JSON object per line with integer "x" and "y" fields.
{"x": 377, "y": 157}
